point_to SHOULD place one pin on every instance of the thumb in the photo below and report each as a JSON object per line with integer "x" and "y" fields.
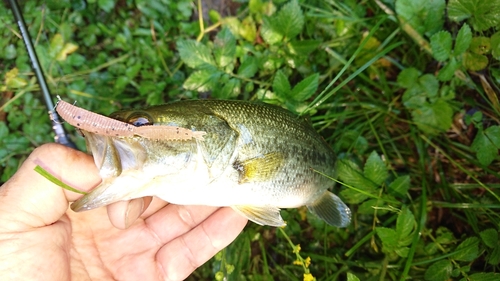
{"x": 28, "y": 200}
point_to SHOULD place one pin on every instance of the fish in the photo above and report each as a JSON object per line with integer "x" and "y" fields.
{"x": 254, "y": 157}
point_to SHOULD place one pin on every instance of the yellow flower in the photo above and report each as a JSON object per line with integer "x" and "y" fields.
{"x": 309, "y": 277}
{"x": 307, "y": 261}
{"x": 303, "y": 213}
{"x": 296, "y": 249}
{"x": 297, "y": 262}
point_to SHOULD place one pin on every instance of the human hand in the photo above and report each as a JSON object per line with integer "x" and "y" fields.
{"x": 41, "y": 239}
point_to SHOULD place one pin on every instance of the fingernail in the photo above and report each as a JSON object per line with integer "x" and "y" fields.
{"x": 134, "y": 209}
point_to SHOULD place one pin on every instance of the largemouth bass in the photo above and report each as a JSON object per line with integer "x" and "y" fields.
{"x": 253, "y": 157}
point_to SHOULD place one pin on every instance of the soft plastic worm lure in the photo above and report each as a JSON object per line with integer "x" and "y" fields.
{"x": 102, "y": 125}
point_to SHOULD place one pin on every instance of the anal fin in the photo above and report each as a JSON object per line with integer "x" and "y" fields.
{"x": 267, "y": 215}
{"x": 331, "y": 209}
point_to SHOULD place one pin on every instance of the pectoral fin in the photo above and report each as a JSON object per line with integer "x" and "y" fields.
{"x": 261, "y": 215}
{"x": 260, "y": 168}
{"x": 331, "y": 209}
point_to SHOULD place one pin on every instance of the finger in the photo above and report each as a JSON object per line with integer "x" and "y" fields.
{"x": 123, "y": 214}
{"x": 183, "y": 255}
{"x": 156, "y": 205}
{"x": 33, "y": 201}
{"x": 184, "y": 218}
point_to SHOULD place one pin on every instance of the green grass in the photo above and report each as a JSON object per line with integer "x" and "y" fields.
{"x": 405, "y": 93}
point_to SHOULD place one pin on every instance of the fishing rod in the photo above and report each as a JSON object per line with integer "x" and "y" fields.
{"x": 61, "y": 135}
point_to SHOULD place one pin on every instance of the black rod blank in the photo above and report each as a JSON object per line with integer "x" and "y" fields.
{"x": 61, "y": 136}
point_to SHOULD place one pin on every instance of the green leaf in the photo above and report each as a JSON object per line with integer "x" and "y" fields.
{"x": 120, "y": 83}
{"x": 495, "y": 44}
{"x": 249, "y": 87}
{"x": 224, "y": 47}
{"x": 106, "y": 5}
{"x": 429, "y": 84}
{"x": 448, "y": 71}
{"x": 447, "y": 93}
{"x": 214, "y": 16}
{"x": 56, "y": 45}
{"x": 441, "y": 45}
{"x": 489, "y": 237}
{"x": 10, "y": 52}
{"x": 195, "y": 54}
{"x": 402, "y": 251}
{"x": 474, "y": 119}
{"x": 351, "y": 174}
{"x": 414, "y": 98}
{"x": 480, "y": 45}
{"x": 475, "y": 62}
{"x": 367, "y": 207}
{"x": 408, "y": 77}
{"x": 433, "y": 118}
{"x": 303, "y": 47}
{"x": 486, "y": 152}
{"x": 388, "y": 236}
{"x": 444, "y": 236}
{"x": 405, "y": 225}
{"x": 483, "y": 276}
{"x": 4, "y": 130}
{"x": 289, "y": 20}
{"x": 481, "y": 14}
{"x": 375, "y": 169}
{"x": 351, "y": 140}
{"x": 248, "y": 68}
{"x": 281, "y": 86}
{"x": 233, "y": 24}
{"x": 352, "y": 196}
{"x": 425, "y": 16}
{"x": 230, "y": 89}
{"x": 132, "y": 71}
{"x": 201, "y": 81}
{"x": 486, "y": 145}
{"x": 399, "y": 187}
{"x": 305, "y": 88}
{"x": 494, "y": 256}
{"x": 56, "y": 181}
{"x": 468, "y": 250}
{"x": 439, "y": 271}
{"x": 352, "y": 277}
{"x": 16, "y": 82}
{"x": 463, "y": 40}
{"x": 248, "y": 29}
{"x": 270, "y": 35}
{"x": 493, "y": 134}
{"x": 256, "y": 6}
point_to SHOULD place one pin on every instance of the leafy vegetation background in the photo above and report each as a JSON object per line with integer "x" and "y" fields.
{"x": 404, "y": 90}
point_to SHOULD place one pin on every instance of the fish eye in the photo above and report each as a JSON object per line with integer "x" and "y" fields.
{"x": 140, "y": 119}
